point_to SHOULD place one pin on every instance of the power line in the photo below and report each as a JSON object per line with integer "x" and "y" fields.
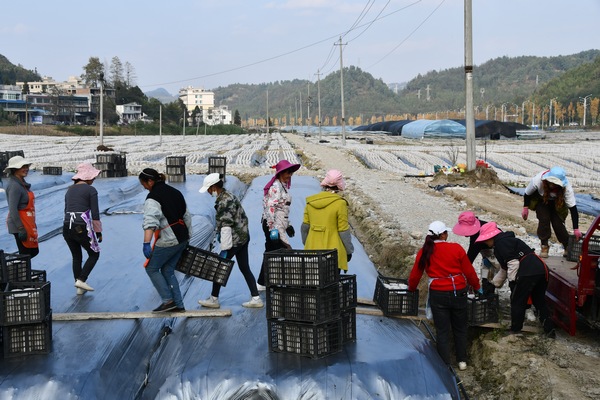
{"x": 367, "y": 28}
{"x": 410, "y": 34}
{"x": 280, "y": 55}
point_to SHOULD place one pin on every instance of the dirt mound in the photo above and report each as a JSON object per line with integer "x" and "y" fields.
{"x": 479, "y": 177}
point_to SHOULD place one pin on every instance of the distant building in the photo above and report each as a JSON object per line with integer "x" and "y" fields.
{"x": 130, "y": 112}
{"x": 205, "y": 101}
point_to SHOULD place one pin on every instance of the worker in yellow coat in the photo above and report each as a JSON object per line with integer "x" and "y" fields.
{"x": 325, "y": 224}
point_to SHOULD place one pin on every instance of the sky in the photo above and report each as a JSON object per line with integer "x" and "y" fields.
{"x": 212, "y": 43}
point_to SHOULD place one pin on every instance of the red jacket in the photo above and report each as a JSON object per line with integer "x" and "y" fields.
{"x": 448, "y": 265}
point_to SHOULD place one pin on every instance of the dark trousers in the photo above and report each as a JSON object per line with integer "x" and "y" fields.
{"x": 270, "y": 245}
{"x": 241, "y": 256}
{"x": 77, "y": 239}
{"x": 31, "y": 252}
{"x": 450, "y": 314}
{"x": 525, "y": 286}
{"x": 548, "y": 217}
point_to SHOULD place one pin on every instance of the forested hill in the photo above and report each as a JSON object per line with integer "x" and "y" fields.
{"x": 10, "y": 73}
{"x": 502, "y": 80}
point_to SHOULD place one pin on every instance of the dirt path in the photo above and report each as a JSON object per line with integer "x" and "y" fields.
{"x": 391, "y": 214}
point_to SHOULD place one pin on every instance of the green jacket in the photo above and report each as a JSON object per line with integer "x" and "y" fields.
{"x": 325, "y": 225}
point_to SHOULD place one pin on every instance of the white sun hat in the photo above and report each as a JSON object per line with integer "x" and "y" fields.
{"x": 17, "y": 162}
{"x": 210, "y": 180}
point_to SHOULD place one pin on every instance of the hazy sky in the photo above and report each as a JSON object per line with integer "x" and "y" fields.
{"x": 211, "y": 43}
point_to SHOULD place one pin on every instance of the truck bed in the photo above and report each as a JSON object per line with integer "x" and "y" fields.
{"x": 559, "y": 266}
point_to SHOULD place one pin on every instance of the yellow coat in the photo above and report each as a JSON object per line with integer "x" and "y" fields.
{"x": 325, "y": 219}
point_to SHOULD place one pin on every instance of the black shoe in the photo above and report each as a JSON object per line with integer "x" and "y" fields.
{"x": 179, "y": 309}
{"x": 165, "y": 307}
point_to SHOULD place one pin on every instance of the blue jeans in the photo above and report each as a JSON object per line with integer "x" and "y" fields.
{"x": 161, "y": 270}
{"x": 450, "y": 314}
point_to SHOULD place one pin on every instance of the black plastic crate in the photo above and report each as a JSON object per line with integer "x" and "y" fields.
{"x": 219, "y": 165}
{"x": 347, "y": 291}
{"x": 23, "y": 340}
{"x": 175, "y": 170}
{"x": 348, "y": 318}
{"x": 393, "y": 297}
{"x": 176, "y": 178}
{"x": 482, "y": 310}
{"x": 574, "y": 248}
{"x": 204, "y": 264}
{"x": 172, "y": 161}
{"x": 24, "y": 303}
{"x": 15, "y": 267}
{"x": 38, "y": 275}
{"x": 305, "y": 339}
{"x": 52, "y": 170}
{"x": 301, "y": 268}
{"x": 303, "y": 305}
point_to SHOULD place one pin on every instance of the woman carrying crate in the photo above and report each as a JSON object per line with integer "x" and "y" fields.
{"x": 21, "y": 207}
{"x": 232, "y": 228}
{"x": 82, "y": 228}
{"x": 168, "y": 221}
{"x": 276, "y": 210}
{"x": 550, "y": 194}
{"x": 449, "y": 271}
{"x": 526, "y": 272}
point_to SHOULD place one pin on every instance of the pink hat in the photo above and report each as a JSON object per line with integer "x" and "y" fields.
{"x": 488, "y": 231}
{"x": 281, "y": 166}
{"x": 334, "y": 178}
{"x": 86, "y": 172}
{"x": 467, "y": 225}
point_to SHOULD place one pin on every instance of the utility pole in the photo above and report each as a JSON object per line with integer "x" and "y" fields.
{"x": 101, "y": 108}
{"x": 469, "y": 118}
{"x": 342, "y": 93}
{"x": 184, "y": 109}
{"x": 319, "y": 99}
{"x": 296, "y": 111}
{"x": 268, "y": 114}
{"x": 585, "y": 106}
{"x": 160, "y": 124}
{"x": 308, "y": 104}
{"x": 301, "y": 117}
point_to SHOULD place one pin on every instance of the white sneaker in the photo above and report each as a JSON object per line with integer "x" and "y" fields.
{"x": 462, "y": 365}
{"x": 82, "y": 285}
{"x": 261, "y": 288}
{"x": 211, "y": 302}
{"x": 530, "y": 315}
{"x": 80, "y": 291}
{"x": 255, "y": 302}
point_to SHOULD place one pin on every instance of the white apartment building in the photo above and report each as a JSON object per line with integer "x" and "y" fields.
{"x": 130, "y": 112}
{"x": 205, "y": 101}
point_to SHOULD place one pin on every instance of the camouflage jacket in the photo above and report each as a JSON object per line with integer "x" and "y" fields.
{"x": 231, "y": 213}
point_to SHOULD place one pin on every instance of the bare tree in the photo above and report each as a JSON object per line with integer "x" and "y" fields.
{"x": 130, "y": 76}
{"x": 452, "y": 152}
{"x": 116, "y": 72}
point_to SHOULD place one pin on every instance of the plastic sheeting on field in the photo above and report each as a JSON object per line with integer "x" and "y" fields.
{"x": 198, "y": 358}
{"x": 433, "y": 128}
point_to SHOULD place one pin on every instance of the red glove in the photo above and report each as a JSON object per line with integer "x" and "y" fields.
{"x": 525, "y": 213}
{"x": 577, "y": 234}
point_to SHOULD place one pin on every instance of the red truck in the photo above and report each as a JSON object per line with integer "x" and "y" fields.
{"x": 574, "y": 282}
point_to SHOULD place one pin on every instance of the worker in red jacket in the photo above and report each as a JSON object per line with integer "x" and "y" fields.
{"x": 449, "y": 271}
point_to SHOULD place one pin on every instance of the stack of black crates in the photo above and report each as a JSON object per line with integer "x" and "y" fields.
{"x": 176, "y": 168}
{"x": 52, "y": 170}
{"x": 393, "y": 297}
{"x": 112, "y": 165}
{"x": 311, "y": 310}
{"x": 219, "y": 165}
{"x": 25, "y": 313}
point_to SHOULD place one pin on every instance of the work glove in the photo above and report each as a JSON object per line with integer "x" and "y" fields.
{"x": 147, "y": 250}
{"x": 525, "y": 213}
{"x": 349, "y": 257}
{"x": 223, "y": 254}
{"x": 22, "y": 236}
{"x": 479, "y": 292}
{"x": 577, "y": 234}
{"x": 99, "y": 237}
{"x": 274, "y": 234}
{"x": 290, "y": 231}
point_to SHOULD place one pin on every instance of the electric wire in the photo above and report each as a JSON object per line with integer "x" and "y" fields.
{"x": 280, "y": 55}
{"x": 370, "y": 24}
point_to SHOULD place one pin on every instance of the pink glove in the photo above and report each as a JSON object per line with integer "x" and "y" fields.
{"x": 577, "y": 234}
{"x": 525, "y": 213}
